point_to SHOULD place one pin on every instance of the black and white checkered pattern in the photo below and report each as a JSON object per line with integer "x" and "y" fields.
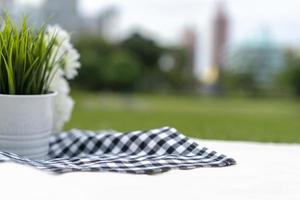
{"x": 138, "y": 152}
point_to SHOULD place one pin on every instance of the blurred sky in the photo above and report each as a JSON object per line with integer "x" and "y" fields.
{"x": 166, "y": 19}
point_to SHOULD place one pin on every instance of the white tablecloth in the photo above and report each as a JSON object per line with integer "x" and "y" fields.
{"x": 264, "y": 171}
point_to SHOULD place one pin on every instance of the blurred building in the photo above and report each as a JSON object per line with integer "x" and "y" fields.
{"x": 3, "y": 3}
{"x": 220, "y": 31}
{"x": 8, "y": 5}
{"x": 259, "y": 56}
{"x": 190, "y": 45}
{"x": 217, "y": 45}
{"x": 63, "y": 12}
{"x": 104, "y": 23}
{"x": 66, "y": 14}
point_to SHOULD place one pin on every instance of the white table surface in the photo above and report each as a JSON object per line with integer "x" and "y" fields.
{"x": 264, "y": 171}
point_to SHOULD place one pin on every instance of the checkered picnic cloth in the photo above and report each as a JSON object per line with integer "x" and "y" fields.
{"x": 138, "y": 152}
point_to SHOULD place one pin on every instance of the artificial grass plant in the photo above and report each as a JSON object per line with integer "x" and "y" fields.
{"x": 26, "y": 64}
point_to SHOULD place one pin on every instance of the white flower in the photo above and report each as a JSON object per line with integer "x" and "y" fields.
{"x": 59, "y": 84}
{"x": 63, "y": 102}
{"x": 71, "y": 63}
{"x": 66, "y": 60}
{"x": 63, "y": 110}
{"x": 64, "y": 51}
{"x": 61, "y": 36}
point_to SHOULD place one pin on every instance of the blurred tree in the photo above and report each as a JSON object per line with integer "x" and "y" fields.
{"x": 105, "y": 66}
{"x": 147, "y": 52}
{"x": 136, "y": 63}
{"x": 289, "y": 79}
{"x": 177, "y": 76}
{"x": 241, "y": 83}
{"x": 144, "y": 49}
{"x": 95, "y": 53}
{"x": 163, "y": 68}
{"x": 122, "y": 72}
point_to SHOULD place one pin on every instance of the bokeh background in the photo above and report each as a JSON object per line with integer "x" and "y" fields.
{"x": 213, "y": 69}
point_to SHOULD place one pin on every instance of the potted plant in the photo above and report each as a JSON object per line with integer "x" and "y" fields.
{"x": 34, "y": 67}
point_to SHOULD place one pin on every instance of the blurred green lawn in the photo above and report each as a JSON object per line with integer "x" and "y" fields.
{"x": 265, "y": 120}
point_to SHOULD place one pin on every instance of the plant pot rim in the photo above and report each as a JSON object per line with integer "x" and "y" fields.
{"x": 50, "y": 94}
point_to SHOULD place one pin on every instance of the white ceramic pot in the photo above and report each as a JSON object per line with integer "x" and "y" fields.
{"x": 26, "y": 123}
